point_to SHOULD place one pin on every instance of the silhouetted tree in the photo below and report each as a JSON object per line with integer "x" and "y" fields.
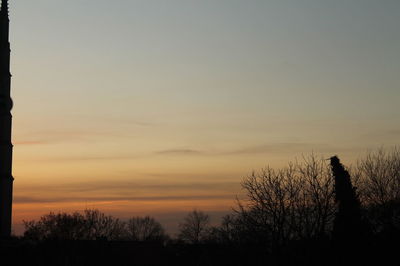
{"x": 145, "y": 229}
{"x": 56, "y": 226}
{"x": 349, "y": 230}
{"x": 97, "y": 225}
{"x": 195, "y": 227}
{"x": 63, "y": 226}
{"x": 295, "y": 202}
{"x": 379, "y": 184}
{"x": 225, "y": 233}
{"x": 241, "y": 228}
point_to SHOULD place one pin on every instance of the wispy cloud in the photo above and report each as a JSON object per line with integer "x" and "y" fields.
{"x": 383, "y": 134}
{"x": 256, "y": 149}
{"x": 127, "y": 187}
{"x": 29, "y": 142}
{"x": 180, "y": 152}
{"x": 76, "y": 135}
{"x": 27, "y": 199}
{"x": 90, "y": 158}
{"x": 276, "y": 147}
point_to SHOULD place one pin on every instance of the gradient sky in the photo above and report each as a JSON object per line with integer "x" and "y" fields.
{"x": 161, "y": 106}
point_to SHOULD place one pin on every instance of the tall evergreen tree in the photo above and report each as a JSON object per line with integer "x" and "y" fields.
{"x": 348, "y": 224}
{"x": 349, "y": 236}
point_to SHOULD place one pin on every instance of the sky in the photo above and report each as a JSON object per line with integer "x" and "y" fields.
{"x": 154, "y": 107}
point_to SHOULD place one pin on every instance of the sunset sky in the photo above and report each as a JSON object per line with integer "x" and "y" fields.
{"x": 161, "y": 106}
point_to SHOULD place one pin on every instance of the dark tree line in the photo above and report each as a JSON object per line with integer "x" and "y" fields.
{"x": 311, "y": 198}
{"x": 93, "y": 225}
{"x": 314, "y": 200}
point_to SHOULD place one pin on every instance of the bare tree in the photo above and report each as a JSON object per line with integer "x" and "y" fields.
{"x": 64, "y": 226}
{"x": 55, "y": 226}
{"x": 240, "y": 228}
{"x": 316, "y": 207}
{"x": 145, "y": 229}
{"x": 227, "y": 231}
{"x": 295, "y": 202}
{"x": 97, "y": 225}
{"x": 379, "y": 174}
{"x": 195, "y": 227}
{"x": 379, "y": 188}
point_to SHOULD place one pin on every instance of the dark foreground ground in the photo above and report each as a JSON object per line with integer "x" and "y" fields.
{"x": 82, "y": 253}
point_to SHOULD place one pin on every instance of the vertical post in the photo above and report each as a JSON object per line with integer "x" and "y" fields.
{"x": 6, "y": 147}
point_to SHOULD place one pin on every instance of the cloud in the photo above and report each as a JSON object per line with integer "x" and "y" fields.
{"x": 125, "y": 191}
{"x": 180, "y": 152}
{"x": 91, "y": 158}
{"x": 77, "y": 135}
{"x": 129, "y": 187}
{"x": 278, "y": 148}
{"x": 384, "y": 134}
{"x": 28, "y": 199}
{"x": 29, "y": 142}
{"x": 394, "y": 132}
{"x": 257, "y": 149}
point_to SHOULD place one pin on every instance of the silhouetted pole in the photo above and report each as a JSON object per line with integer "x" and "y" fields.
{"x": 6, "y": 148}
